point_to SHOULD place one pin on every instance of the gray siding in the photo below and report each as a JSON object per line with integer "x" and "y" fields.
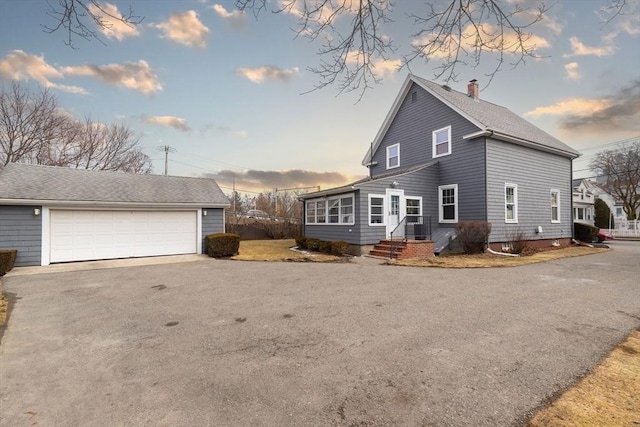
{"x": 412, "y": 128}
{"x": 535, "y": 173}
{"x": 331, "y": 232}
{"x": 212, "y": 223}
{"x": 22, "y": 230}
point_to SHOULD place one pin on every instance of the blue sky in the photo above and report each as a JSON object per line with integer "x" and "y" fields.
{"x": 226, "y": 90}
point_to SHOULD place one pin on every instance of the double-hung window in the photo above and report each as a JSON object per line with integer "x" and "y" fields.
{"x": 441, "y": 142}
{"x": 555, "y": 206}
{"x": 414, "y": 209}
{"x": 448, "y": 203}
{"x": 510, "y": 203}
{"x": 393, "y": 156}
{"x": 376, "y": 209}
{"x": 335, "y": 210}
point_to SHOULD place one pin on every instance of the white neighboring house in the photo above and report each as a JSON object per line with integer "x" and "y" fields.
{"x": 583, "y": 202}
{"x": 623, "y": 227}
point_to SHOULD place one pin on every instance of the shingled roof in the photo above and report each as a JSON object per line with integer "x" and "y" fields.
{"x": 22, "y": 183}
{"x": 499, "y": 121}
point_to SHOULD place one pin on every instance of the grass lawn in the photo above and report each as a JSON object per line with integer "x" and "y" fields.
{"x": 279, "y": 250}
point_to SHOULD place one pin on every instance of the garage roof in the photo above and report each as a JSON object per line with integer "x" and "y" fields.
{"x": 30, "y": 183}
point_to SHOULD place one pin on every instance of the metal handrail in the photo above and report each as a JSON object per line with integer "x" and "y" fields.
{"x": 419, "y": 227}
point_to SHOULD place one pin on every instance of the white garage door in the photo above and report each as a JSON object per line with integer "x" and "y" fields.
{"x": 90, "y": 235}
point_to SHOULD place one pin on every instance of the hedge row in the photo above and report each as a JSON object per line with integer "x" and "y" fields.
{"x": 337, "y": 248}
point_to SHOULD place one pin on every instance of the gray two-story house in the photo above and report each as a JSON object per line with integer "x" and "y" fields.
{"x": 440, "y": 157}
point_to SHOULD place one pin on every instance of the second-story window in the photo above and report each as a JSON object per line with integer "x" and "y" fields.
{"x": 442, "y": 142}
{"x": 393, "y": 156}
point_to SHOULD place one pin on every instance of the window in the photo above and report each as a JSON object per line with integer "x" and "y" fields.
{"x": 510, "y": 203}
{"x": 376, "y": 209}
{"x": 414, "y": 209}
{"x": 393, "y": 156}
{"x": 555, "y": 206}
{"x": 618, "y": 211}
{"x": 448, "y": 203}
{"x": 589, "y": 214}
{"x": 442, "y": 142}
{"x": 337, "y": 210}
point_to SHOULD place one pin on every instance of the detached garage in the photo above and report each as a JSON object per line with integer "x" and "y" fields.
{"x": 53, "y": 214}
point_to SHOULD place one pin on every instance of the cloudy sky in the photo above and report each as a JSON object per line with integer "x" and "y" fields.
{"x": 229, "y": 92}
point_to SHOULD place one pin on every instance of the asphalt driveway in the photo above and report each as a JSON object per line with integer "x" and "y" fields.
{"x": 227, "y": 343}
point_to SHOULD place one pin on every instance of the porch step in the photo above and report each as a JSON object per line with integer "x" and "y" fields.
{"x": 383, "y": 249}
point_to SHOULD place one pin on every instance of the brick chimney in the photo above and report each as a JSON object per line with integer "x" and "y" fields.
{"x": 473, "y": 91}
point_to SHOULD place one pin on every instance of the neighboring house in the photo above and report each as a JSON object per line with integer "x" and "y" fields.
{"x": 583, "y": 202}
{"x": 615, "y": 204}
{"x": 441, "y": 157}
{"x": 54, "y": 214}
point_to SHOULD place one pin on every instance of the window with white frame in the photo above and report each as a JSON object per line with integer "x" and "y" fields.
{"x": 393, "y": 156}
{"x": 448, "y": 203}
{"x": 511, "y": 203}
{"x": 376, "y": 209}
{"x": 441, "y": 142}
{"x": 555, "y": 206}
{"x": 414, "y": 209}
{"x": 334, "y": 210}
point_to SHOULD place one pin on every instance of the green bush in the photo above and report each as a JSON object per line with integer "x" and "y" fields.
{"x": 325, "y": 247}
{"x": 339, "y": 248}
{"x": 473, "y": 235}
{"x": 301, "y": 241}
{"x": 313, "y": 244}
{"x": 584, "y": 232}
{"x": 222, "y": 244}
{"x": 603, "y": 217}
{"x": 7, "y": 260}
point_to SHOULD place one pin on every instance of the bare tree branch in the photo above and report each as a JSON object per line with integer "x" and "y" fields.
{"x": 621, "y": 169}
{"x": 79, "y": 17}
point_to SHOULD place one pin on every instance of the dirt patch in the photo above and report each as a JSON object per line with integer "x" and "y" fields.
{"x": 609, "y": 396}
{"x": 279, "y": 250}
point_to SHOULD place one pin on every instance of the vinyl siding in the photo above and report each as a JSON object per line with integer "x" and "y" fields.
{"x": 22, "y": 230}
{"x": 535, "y": 173}
{"x": 335, "y": 232}
{"x": 212, "y": 223}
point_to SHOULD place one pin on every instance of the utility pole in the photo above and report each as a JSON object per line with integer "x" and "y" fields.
{"x": 167, "y": 149}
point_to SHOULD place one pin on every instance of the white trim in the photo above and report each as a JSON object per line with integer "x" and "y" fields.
{"x": 45, "y": 241}
{"x": 389, "y": 192}
{"x": 84, "y": 204}
{"x": 433, "y": 141}
{"x": 455, "y": 201}
{"x": 199, "y": 230}
{"x": 515, "y": 203}
{"x": 398, "y": 156}
{"x": 383, "y": 213}
{"x": 326, "y": 210}
{"x": 556, "y": 221}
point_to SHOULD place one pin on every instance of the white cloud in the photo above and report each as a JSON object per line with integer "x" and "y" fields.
{"x": 573, "y": 73}
{"x": 236, "y": 18}
{"x": 132, "y": 75}
{"x": 170, "y": 121}
{"x": 268, "y": 72}
{"x": 18, "y": 65}
{"x": 580, "y": 49}
{"x": 383, "y": 67}
{"x": 575, "y": 106}
{"x": 186, "y": 29}
{"x": 113, "y": 28}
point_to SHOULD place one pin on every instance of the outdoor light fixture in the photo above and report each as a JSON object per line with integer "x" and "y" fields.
{"x": 36, "y": 211}
{"x": 204, "y": 213}
{"x": 395, "y": 184}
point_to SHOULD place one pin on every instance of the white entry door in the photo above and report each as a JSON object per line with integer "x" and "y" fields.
{"x": 395, "y": 213}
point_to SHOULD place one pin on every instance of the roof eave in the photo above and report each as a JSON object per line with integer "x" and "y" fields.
{"x": 106, "y": 204}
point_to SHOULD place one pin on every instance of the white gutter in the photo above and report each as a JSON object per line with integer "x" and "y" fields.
{"x": 90, "y": 203}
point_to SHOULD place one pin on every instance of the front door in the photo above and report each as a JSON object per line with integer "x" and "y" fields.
{"x": 395, "y": 212}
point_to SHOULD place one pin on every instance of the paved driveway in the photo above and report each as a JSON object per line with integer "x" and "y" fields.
{"x": 226, "y": 343}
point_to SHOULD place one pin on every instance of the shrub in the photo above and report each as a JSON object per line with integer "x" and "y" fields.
{"x": 584, "y": 232}
{"x": 339, "y": 248}
{"x": 518, "y": 241}
{"x": 7, "y": 259}
{"x": 473, "y": 235}
{"x": 301, "y": 241}
{"x": 222, "y": 244}
{"x": 603, "y": 217}
{"x": 325, "y": 247}
{"x": 313, "y": 244}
